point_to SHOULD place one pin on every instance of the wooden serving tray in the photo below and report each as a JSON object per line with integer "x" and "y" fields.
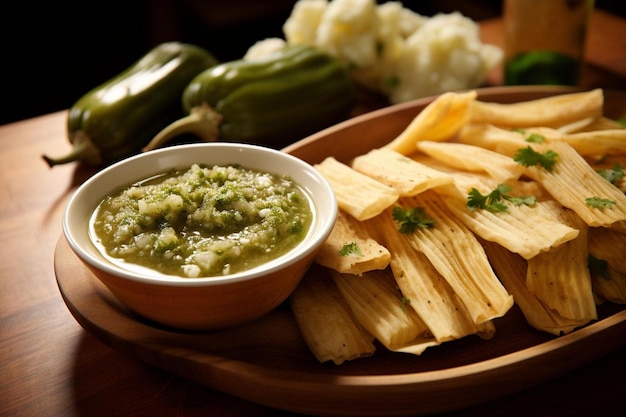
{"x": 268, "y": 362}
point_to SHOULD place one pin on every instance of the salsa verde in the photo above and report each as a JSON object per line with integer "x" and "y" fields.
{"x": 204, "y": 221}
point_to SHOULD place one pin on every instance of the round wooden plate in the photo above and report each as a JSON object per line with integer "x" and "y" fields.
{"x": 268, "y": 362}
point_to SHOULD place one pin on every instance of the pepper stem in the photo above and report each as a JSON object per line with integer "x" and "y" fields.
{"x": 83, "y": 149}
{"x": 202, "y": 120}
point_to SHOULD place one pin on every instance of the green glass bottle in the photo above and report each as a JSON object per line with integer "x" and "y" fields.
{"x": 545, "y": 41}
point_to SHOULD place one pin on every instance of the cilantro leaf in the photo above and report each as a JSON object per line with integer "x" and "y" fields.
{"x": 531, "y": 137}
{"x": 612, "y": 175}
{"x": 535, "y": 138}
{"x": 350, "y": 249}
{"x": 529, "y": 200}
{"x": 597, "y": 202}
{"x": 493, "y": 201}
{"x": 412, "y": 218}
{"x": 489, "y": 202}
{"x": 529, "y": 157}
{"x": 599, "y": 267}
{"x": 405, "y": 302}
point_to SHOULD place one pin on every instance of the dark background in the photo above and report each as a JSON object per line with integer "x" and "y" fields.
{"x": 54, "y": 52}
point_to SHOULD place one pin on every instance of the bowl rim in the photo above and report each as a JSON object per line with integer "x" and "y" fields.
{"x": 314, "y": 238}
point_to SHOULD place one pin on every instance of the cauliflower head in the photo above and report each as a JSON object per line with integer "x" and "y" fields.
{"x": 391, "y": 49}
{"x": 445, "y": 54}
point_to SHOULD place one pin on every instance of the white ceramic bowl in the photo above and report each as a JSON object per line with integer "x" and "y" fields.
{"x": 201, "y": 303}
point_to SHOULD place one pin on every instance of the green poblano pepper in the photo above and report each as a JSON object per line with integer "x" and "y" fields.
{"x": 270, "y": 101}
{"x": 119, "y": 117}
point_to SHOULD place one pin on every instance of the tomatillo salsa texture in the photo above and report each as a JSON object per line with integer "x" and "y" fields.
{"x": 204, "y": 221}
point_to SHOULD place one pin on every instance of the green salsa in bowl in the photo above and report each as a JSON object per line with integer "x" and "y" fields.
{"x": 201, "y": 236}
{"x": 204, "y": 220}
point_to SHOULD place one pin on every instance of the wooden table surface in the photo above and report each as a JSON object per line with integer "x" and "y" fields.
{"x": 50, "y": 366}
